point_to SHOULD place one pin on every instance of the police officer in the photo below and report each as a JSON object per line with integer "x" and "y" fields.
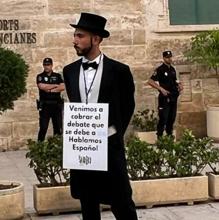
{"x": 169, "y": 89}
{"x": 50, "y": 103}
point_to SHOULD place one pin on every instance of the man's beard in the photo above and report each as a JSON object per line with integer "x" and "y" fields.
{"x": 83, "y": 52}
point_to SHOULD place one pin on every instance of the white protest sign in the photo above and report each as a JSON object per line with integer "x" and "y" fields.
{"x": 85, "y": 136}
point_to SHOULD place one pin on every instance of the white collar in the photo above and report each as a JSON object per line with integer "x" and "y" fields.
{"x": 97, "y": 59}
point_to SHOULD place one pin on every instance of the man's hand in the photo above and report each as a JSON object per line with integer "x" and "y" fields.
{"x": 180, "y": 87}
{"x": 56, "y": 89}
{"x": 59, "y": 88}
{"x": 46, "y": 87}
{"x": 155, "y": 85}
{"x": 164, "y": 91}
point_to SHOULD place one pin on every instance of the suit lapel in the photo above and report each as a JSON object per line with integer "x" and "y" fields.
{"x": 105, "y": 77}
{"x": 75, "y": 81}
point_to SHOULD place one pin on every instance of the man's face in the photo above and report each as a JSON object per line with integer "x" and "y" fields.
{"x": 47, "y": 68}
{"x": 167, "y": 60}
{"x": 82, "y": 41}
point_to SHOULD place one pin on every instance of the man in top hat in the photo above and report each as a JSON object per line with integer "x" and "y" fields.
{"x": 169, "y": 89}
{"x": 50, "y": 104}
{"x": 95, "y": 78}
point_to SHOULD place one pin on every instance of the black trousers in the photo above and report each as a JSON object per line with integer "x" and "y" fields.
{"x": 167, "y": 108}
{"x": 122, "y": 210}
{"x": 111, "y": 187}
{"x": 53, "y": 111}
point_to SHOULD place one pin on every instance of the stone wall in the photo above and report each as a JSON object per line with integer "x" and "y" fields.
{"x": 140, "y": 31}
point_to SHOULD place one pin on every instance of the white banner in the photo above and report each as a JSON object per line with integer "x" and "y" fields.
{"x": 85, "y": 136}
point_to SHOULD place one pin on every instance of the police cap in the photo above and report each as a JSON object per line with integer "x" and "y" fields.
{"x": 167, "y": 53}
{"x": 47, "y": 60}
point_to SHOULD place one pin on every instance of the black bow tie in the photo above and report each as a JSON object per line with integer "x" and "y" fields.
{"x": 86, "y": 65}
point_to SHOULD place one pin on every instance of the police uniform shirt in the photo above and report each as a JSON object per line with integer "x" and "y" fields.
{"x": 54, "y": 78}
{"x": 166, "y": 76}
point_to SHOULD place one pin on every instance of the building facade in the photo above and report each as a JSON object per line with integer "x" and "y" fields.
{"x": 140, "y": 31}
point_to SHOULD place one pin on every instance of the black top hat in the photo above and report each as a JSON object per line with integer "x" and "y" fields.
{"x": 93, "y": 23}
{"x": 47, "y": 60}
{"x": 167, "y": 53}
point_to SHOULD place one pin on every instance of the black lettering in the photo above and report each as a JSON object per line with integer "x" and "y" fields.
{"x": 5, "y": 25}
{"x": 71, "y": 139}
{"x": 6, "y": 39}
{"x": 97, "y": 117}
{"x": 1, "y": 38}
{"x": 11, "y": 22}
{"x": 22, "y": 38}
{"x": 1, "y": 25}
{"x": 68, "y": 132}
{"x": 16, "y": 25}
{"x": 81, "y": 139}
{"x": 77, "y": 124}
{"x": 81, "y": 116}
{"x": 29, "y": 38}
{"x": 81, "y": 132}
{"x": 11, "y": 38}
{"x": 16, "y": 39}
{"x": 84, "y": 148}
{"x": 71, "y": 107}
{"x": 82, "y": 109}
{"x": 34, "y": 38}
{"x": 9, "y": 25}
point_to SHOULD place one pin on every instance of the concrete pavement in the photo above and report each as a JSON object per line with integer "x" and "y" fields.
{"x": 14, "y": 166}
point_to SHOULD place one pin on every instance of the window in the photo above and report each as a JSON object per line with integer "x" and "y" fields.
{"x": 187, "y": 12}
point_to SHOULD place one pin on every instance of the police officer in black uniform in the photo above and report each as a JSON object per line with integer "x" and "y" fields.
{"x": 50, "y": 103}
{"x": 169, "y": 89}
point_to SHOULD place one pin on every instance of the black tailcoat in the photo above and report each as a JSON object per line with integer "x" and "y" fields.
{"x": 117, "y": 89}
